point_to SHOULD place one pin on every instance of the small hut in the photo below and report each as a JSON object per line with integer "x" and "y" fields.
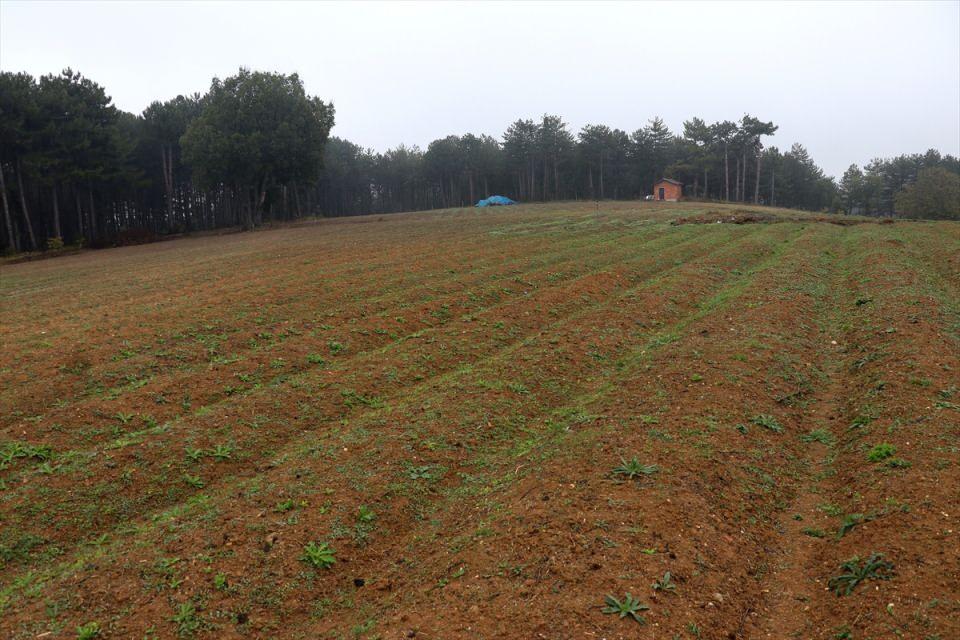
{"x": 667, "y": 189}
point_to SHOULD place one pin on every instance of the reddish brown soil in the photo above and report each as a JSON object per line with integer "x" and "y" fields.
{"x": 469, "y": 382}
{"x": 733, "y": 216}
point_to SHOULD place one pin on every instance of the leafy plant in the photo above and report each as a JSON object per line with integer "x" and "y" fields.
{"x": 335, "y": 347}
{"x": 88, "y": 631}
{"x": 634, "y": 469}
{"x": 518, "y": 388}
{"x": 13, "y": 450}
{"x": 351, "y": 398}
{"x": 194, "y": 481}
{"x": 626, "y": 608}
{"x": 819, "y": 435}
{"x": 319, "y": 555}
{"x": 881, "y": 452}
{"x": 850, "y": 521}
{"x": 853, "y": 572}
{"x": 316, "y": 358}
{"x": 186, "y": 619}
{"x": 285, "y": 505}
{"x": 768, "y": 422}
{"x": 222, "y": 452}
{"x": 195, "y": 455}
{"x": 365, "y": 514}
{"x": 665, "y": 583}
{"x": 421, "y": 473}
{"x": 220, "y": 582}
{"x": 813, "y": 533}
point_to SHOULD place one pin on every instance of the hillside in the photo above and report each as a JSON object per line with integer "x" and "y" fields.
{"x": 489, "y": 421}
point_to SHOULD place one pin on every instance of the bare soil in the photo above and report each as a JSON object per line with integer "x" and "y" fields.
{"x": 444, "y": 400}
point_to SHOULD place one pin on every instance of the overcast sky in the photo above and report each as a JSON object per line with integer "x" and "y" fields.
{"x": 849, "y": 81}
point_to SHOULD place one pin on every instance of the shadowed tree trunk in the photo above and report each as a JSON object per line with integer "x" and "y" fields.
{"x": 556, "y": 180}
{"x": 546, "y": 176}
{"x": 23, "y": 207}
{"x": 756, "y": 186}
{"x": 736, "y": 181}
{"x": 296, "y": 200}
{"x": 726, "y": 173}
{"x": 76, "y": 200}
{"x": 743, "y": 179}
{"x": 93, "y": 214}
{"x": 601, "y": 175}
{"x": 8, "y": 221}
{"x": 57, "y": 233}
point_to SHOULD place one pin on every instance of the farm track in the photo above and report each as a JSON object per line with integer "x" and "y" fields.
{"x": 483, "y": 443}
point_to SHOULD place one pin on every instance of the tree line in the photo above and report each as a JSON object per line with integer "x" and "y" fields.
{"x": 920, "y": 185}
{"x": 257, "y": 147}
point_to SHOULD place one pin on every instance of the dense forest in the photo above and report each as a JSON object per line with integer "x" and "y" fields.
{"x": 75, "y": 169}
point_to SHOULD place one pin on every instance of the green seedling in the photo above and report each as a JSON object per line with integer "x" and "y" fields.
{"x": 634, "y": 469}
{"x": 222, "y": 452}
{"x": 88, "y": 631}
{"x": 853, "y": 572}
{"x": 319, "y": 555}
{"x": 316, "y": 358}
{"x": 819, "y": 435}
{"x": 14, "y": 450}
{"x": 626, "y": 608}
{"x": 881, "y": 452}
{"x": 194, "y": 481}
{"x": 664, "y": 584}
{"x": 850, "y": 521}
{"x": 768, "y": 422}
{"x": 284, "y": 506}
{"x": 187, "y": 620}
{"x": 421, "y": 473}
{"x": 365, "y": 514}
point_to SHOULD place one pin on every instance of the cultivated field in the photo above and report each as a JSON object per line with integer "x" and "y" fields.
{"x": 488, "y": 421}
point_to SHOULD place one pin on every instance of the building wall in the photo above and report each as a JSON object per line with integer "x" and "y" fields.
{"x": 670, "y": 191}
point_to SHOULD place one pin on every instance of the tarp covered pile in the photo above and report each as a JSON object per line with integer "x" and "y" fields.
{"x": 495, "y": 201}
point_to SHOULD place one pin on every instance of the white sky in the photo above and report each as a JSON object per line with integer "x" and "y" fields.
{"x": 850, "y": 81}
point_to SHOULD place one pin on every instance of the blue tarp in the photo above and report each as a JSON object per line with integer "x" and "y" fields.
{"x": 495, "y": 201}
